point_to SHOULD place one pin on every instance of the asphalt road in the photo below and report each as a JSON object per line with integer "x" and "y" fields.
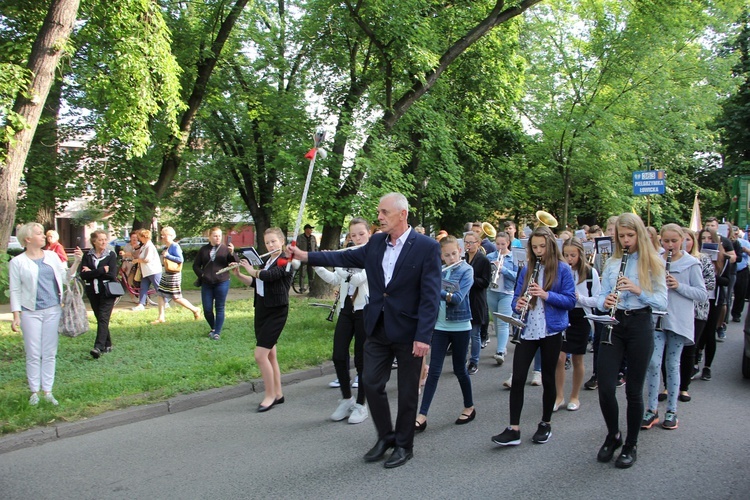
{"x": 227, "y": 450}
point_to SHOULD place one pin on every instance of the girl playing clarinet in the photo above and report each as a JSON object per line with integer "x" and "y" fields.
{"x": 547, "y": 301}
{"x": 634, "y": 289}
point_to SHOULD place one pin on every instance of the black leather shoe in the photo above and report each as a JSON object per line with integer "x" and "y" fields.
{"x": 626, "y": 458}
{"x": 377, "y": 452}
{"x": 262, "y": 408}
{"x": 607, "y": 451}
{"x": 465, "y": 419}
{"x": 279, "y": 401}
{"x": 95, "y": 353}
{"x": 398, "y": 458}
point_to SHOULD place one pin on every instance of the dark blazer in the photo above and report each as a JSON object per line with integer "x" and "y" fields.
{"x": 276, "y": 283}
{"x": 97, "y": 273}
{"x": 478, "y": 295}
{"x": 410, "y": 302}
{"x": 206, "y": 269}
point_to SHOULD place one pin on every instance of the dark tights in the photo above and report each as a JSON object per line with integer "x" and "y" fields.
{"x": 522, "y": 358}
{"x": 687, "y": 361}
{"x": 708, "y": 338}
{"x": 634, "y": 337}
{"x": 349, "y": 325}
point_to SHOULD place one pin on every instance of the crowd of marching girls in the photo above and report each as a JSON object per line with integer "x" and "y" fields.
{"x": 650, "y": 305}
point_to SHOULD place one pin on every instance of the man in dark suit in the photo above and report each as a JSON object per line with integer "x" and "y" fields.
{"x": 404, "y": 277}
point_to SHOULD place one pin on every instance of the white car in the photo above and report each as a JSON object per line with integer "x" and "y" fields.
{"x": 13, "y": 244}
{"x": 193, "y": 242}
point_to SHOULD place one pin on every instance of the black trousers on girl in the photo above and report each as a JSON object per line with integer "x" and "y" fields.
{"x": 349, "y": 325}
{"x": 632, "y": 337}
{"x": 522, "y": 358}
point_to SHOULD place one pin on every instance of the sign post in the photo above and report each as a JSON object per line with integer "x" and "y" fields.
{"x": 648, "y": 182}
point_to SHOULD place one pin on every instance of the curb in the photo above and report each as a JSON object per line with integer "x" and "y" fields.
{"x": 42, "y": 435}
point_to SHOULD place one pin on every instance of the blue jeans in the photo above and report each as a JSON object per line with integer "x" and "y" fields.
{"x": 146, "y": 282}
{"x": 500, "y": 302}
{"x": 438, "y": 348}
{"x": 476, "y": 342}
{"x": 215, "y": 294}
{"x": 674, "y": 344}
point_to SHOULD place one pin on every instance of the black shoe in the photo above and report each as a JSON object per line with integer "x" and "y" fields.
{"x": 607, "y": 451}
{"x": 542, "y": 434}
{"x": 398, "y": 458}
{"x": 591, "y": 385}
{"x": 107, "y": 350}
{"x": 262, "y": 408}
{"x": 377, "y": 452}
{"x": 420, "y": 427}
{"x": 627, "y": 457}
{"x": 684, "y": 398}
{"x": 466, "y": 418}
{"x": 95, "y": 353}
{"x": 279, "y": 401}
{"x": 736, "y": 320}
{"x": 472, "y": 368}
{"x": 662, "y": 396}
{"x": 706, "y": 375}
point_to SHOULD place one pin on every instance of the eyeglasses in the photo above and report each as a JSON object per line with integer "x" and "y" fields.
{"x": 470, "y": 242}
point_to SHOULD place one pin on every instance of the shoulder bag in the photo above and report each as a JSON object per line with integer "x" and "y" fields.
{"x": 171, "y": 266}
{"x": 112, "y": 289}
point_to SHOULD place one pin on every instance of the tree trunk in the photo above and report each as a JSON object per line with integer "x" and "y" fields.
{"x": 172, "y": 160}
{"x": 45, "y": 54}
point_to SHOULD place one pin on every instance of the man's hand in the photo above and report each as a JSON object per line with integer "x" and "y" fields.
{"x": 420, "y": 349}
{"x": 296, "y": 254}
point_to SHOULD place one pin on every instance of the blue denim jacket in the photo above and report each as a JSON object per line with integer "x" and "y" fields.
{"x": 510, "y": 272}
{"x": 462, "y": 277}
{"x": 562, "y": 297}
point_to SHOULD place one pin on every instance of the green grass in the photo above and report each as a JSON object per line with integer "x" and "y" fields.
{"x": 153, "y": 363}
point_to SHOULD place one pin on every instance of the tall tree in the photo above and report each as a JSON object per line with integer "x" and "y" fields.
{"x": 45, "y": 54}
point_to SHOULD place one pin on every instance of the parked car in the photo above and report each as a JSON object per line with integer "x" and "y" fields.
{"x": 14, "y": 244}
{"x": 193, "y": 242}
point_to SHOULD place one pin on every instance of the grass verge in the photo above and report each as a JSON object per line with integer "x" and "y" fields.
{"x": 153, "y": 363}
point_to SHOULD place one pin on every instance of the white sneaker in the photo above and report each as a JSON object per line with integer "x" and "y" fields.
{"x": 499, "y": 358}
{"x": 507, "y": 383}
{"x": 34, "y": 399}
{"x": 335, "y": 384}
{"x": 139, "y": 307}
{"x": 50, "y": 398}
{"x": 345, "y": 408}
{"x": 536, "y": 378}
{"x": 355, "y": 384}
{"x": 359, "y": 414}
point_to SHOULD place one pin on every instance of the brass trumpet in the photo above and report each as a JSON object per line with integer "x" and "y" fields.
{"x": 545, "y": 219}
{"x": 489, "y": 230}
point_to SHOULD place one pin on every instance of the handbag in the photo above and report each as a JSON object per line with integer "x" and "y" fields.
{"x": 74, "y": 320}
{"x": 172, "y": 266}
{"x": 134, "y": 276}
{"x": 113, "y": 289}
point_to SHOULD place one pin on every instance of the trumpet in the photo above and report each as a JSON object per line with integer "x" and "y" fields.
{"x": 497, "y": 270}
{"x": 489, "y": 230}
{"x": 666, "y": 269}
{"x": 545, "y": 219}
{"x": 607, "y": 337}
{"x": 516, "y": 337}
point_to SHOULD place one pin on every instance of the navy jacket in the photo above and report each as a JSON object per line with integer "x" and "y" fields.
{"x": 410, "y": 302}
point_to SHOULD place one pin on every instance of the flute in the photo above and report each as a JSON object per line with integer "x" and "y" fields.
{"x": 235, "y": 265}
{"x": 607, "y": 338}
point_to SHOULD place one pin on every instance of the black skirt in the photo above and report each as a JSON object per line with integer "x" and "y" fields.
{"x": 269, "y": 323}
{"x": 577, "y": 334}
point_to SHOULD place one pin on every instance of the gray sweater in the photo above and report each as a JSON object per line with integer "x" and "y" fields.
{"x": 679, "y": 319}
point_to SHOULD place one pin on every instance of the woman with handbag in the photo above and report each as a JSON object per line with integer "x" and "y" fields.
{"x": 214, "y": 287}
{"x": 149, "y": 266}
{"x": 98, "y": 271}
{"x": 36, "y": 285}
{"x": 170, "y": 286}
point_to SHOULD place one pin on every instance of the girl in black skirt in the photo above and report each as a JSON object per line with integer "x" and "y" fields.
{"x": 577, "y": 334}
{"x": 271, "y": 310}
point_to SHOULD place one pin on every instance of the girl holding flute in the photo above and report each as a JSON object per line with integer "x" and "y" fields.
{"x": 271, "y": 310}
{"x": 547, "y": 300}
{"x": 634, "y": 292}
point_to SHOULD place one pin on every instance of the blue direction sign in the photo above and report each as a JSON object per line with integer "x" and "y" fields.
{"x": 646, "y": 182}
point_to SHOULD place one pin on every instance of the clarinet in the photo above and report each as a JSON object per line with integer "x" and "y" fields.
{"x": 607, "y": 337}
{"x": 666, "y": 269}
{"x": 336, "y": 296}
{"x": 516, "y": 338}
